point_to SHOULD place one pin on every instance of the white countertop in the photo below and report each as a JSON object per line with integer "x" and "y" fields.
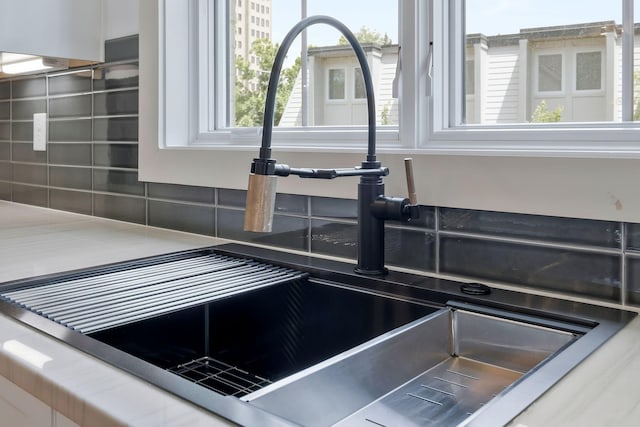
{"x": 602, "y": 391}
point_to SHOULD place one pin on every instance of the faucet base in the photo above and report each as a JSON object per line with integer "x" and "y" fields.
{"x": 366, "y": 272}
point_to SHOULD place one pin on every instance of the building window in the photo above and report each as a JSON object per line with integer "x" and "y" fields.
{"x": 253, "y": 6}
{"x": 359, "y": 91}
{"x": 469, "y": 77}
{"x": 550, "y": 73}
{"x": 253, "y": 19}
{"x": 239, "y": 17}
{"x": 589, "y": 70}
{"x": 336, "y": 84}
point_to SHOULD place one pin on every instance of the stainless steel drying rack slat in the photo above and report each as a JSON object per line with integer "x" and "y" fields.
{"x": 103, "y": 301}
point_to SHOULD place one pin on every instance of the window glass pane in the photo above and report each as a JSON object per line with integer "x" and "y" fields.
{"x": 550, "y": 73}
{"x": 543, "y": 61}
{"x": 588, "y": 70}
{"x": 258, "y": 27}
{"x": 336, "y": 84}
{"x": 358, "y": 83}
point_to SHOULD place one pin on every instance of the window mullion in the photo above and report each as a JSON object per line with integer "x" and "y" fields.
{"x": 627, "y": 60}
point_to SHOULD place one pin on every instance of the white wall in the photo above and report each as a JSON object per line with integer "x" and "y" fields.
{"x": 120, "y": 18}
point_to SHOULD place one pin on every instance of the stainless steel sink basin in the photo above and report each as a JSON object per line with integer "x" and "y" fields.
{"x": 436, "y": 371}
{"x": 267, "y": 338}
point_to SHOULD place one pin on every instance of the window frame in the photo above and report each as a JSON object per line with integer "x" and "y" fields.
{"x": 587, "y": 92}
{"x": 515, "y": 174}
{"x": 328, "y": 82}
{"x": 450, "y": 136}
{"x": 563, "y": 74}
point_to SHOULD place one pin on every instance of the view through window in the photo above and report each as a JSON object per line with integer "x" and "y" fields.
{"x": 546, "y": 61}
{"x": 321, "y": 83}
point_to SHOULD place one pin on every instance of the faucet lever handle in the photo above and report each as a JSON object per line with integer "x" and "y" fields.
{"x": 411, "y": 186}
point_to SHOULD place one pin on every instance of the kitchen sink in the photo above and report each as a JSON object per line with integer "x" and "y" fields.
{"x": 269, "y": 338}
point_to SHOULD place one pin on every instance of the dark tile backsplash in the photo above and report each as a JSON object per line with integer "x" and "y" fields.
{"x": 91, "y": 163}
{"x": 70, "y": 106}
{"x": 5, "y": 110}
{"x": 547, "y": 228}
{"x": 29, "y": 87}
{"x": 77, "y": 82}
{"x": 25, "y": 109}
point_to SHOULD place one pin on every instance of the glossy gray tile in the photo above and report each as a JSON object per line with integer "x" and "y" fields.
{"x": 22, "y": 131}
{"x": 28, "y": 88}
{"x": 66, "y": 177}
{"x": 30, "y": 174}
{"x": 633, "y": 280}
{"x": 121, "y": 49}
{"x": 116, "y": 76}
{"x": 5, "y": 190}
{"x": 71, "y": 201}
{"x": 288, "y": 232}
{"x": 183, "y": 217}
{"x": 115, "y": 129}
{"x": 560, "y": 270}
{"x": 5, "y": 151}
{"x": 6, "y": 171}
{"x": 633, "y": 236}
{"x": 545, "y": 228}
{"x": 427, "y": 219}
{"x": 77, "y": 82}
{"x": 184, "y": 193}
{"x": 122, "y": 208}
{"x": 5, "y": 131}
{"x": 117, "y": 181}
{"x": 23, "y": 152}
{"x": 77, "y": 154}
{"x": 334, "y": 208}
{"x": 115, "y": 103}
{"x": 25, "y": 109}
{"x": 5, "y": 110}
{"x": 38, "y": 196}
{"x": 5, "y": 89}
{"x": 116, "y": 155}
{"x": 70, "y": 130}
{"x": 335, "y": 239}
{"x": 232, "y": 198}
{"x": 70, "y": 106}
{"x": 410, "y": 248}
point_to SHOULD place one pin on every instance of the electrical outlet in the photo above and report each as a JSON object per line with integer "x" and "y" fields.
{"x": 40, "y": 132}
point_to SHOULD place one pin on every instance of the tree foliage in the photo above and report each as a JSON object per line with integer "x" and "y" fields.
{"x": 367, "y": 35}
{"x": 252, "y": 82}
{"x": 542, "y": 114}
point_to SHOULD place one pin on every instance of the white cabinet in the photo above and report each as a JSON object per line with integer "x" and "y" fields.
{"x": 57, "y": 28}
{"x": 19, "y": 409}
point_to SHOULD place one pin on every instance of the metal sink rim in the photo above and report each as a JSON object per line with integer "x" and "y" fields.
{"x": 603, "y": 323}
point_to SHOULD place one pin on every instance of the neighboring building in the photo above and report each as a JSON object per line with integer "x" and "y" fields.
{"x": 336, "y": 88}
{"x": 573, "y": 67}
{"x": 576, "y": 68}
{"x": 252, "y": 21}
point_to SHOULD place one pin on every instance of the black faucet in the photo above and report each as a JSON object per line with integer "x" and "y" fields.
{"x": 373, "y": 206}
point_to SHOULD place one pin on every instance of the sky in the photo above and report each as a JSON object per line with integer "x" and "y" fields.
{"x": 483, "y": 16}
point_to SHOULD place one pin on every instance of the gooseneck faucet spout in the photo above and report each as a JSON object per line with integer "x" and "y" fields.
{"x": 373, "y": 207}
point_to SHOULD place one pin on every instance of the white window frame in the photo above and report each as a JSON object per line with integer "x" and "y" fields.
{"x": 482, "y": 167}
{"x": 345, "y": 91}
{"x": 563, "y": 75}
{"x": 449, "y": 136}
{"x": 588, "y": 92}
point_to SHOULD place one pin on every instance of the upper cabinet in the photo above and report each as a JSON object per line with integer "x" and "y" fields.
{"x": 53, "y": 28}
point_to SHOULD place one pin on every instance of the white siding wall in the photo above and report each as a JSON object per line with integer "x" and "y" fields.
{"x": 503, "y": 85}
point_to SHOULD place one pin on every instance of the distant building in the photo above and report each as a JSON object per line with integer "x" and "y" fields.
{"x": 252, "y": 21}
{"x": 576, "y": 68}
{"x": 336, "y": 90}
